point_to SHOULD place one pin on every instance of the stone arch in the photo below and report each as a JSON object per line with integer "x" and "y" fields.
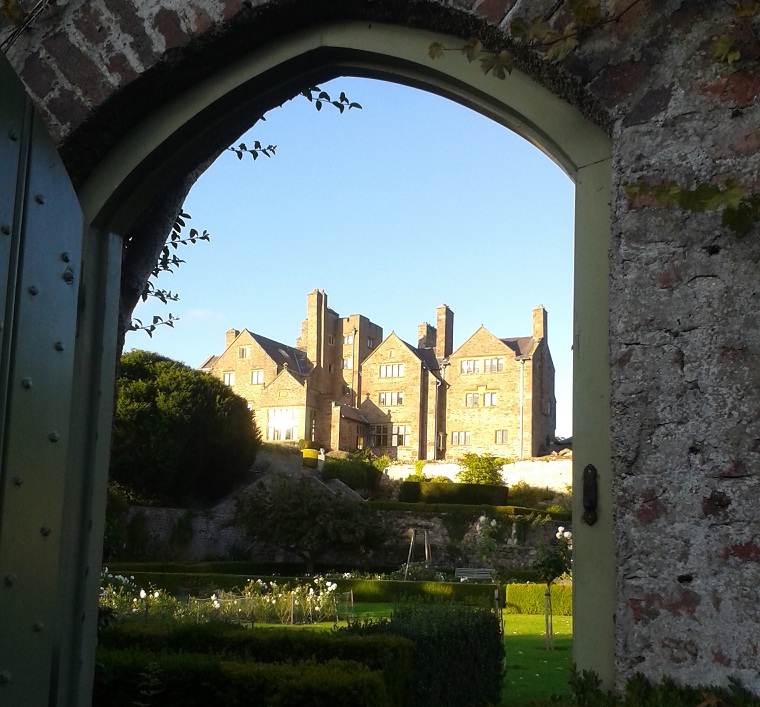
{"x": 185, "y": 130}
{"x": 683, "y": 288}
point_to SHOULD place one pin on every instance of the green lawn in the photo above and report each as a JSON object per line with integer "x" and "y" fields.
{"x": 533, "y": 673}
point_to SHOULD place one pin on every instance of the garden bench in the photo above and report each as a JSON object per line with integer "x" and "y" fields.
{"x": 473, "y": 574}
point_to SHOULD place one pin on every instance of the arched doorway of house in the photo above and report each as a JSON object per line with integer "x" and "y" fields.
{"x": 168, "y": 142}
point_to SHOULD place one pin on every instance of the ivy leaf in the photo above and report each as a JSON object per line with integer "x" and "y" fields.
{"x": 586, "y": 12}
{"x": 436, "y": 50}
{"x": 742, "y": 218}
{"x": 500, "y": 64}
{"x": 734, "y": 194}
{"x": 472, "y": 49}
{"x": 723, "y": 51}
{"x": 563, "y": 45}
{"x": 520, "y": 30}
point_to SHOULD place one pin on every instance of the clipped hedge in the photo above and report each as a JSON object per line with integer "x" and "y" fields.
{"x": 355, "y": 473}
{"x": 529, "y": 599}
{"x": 124, "y": 678}
{"x": 447, "y": 493}
{"x": 386, "y": 654}
{"x": 476, "y": 510}
{"x": 458, "y": 653}
{"x": 395, "y": 591}
{"x": 237, "y": 567}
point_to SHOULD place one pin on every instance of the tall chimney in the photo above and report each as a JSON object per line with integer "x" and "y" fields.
{"x": 444, "y": 340}
{"x": 540, "y": 323}
{"x": 232, "y": 334}
{"x": 316, "y": 304}
{"x": 425, "y": 336}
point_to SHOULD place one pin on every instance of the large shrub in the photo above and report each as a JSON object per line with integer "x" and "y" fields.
{"x": 458, "y": 654}
{"x": 125, "y": 678}
{"x": 481, "y": 469}
{"x": 179, "y": 435}
{"x": 388, "y": 654}
{"x": 299, "y": 515}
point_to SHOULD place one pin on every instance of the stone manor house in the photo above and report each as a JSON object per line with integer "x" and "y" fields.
{"x": 345, "y": 387}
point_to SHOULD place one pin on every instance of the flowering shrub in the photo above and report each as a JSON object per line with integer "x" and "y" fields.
{"x": 258, "y": 601}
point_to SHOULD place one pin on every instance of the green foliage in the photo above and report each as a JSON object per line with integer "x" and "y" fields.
{"x": 458, "y": 653}
{"x": 395, "y": 591}
{"x": 553, "y": 559}
{"x": 544, "y": 498}
{"x": 178, "y": 434}
{"x": 199, "y": 680}
{"x": 354, "y": 472}
{"x": 481, "y": 469}
{"x": 382, "y": 463}
{"x": 419, "y": 465}
{"x": 587, "y": 692}
{"x": 476, "y": 510}
{"x": 387, "y": 654}
{"x": 440, "y": 492}
{"x": 741, "y": 209}
{"x": 529, "y": 599}
{"x": 297, "y": 515}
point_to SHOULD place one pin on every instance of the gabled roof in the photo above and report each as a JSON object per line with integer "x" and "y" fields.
{"x": 351, "y": 413}
{"x": 523, "y": 346}
{"x": 426, "y": 356}
{"x": 209, "y": 362}
{"x": 282, "y": 353}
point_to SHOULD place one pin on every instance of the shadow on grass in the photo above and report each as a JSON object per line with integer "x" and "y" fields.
{"x": 535, "y": 674}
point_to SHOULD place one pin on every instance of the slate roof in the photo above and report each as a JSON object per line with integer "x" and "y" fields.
{"x": 209, "y": 362}
{"x": 282, "y": 353}
{"x": 521, "y": 345}
{"x": 351, "y": 413}
{"x": 427, "y": 356}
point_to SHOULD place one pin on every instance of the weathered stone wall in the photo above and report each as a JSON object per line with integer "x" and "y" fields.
{"x": 214, "y": 536}
{"x": 683, "y": 288}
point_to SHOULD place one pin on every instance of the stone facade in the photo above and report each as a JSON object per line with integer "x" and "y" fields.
{"x": 500, "y": 396}
{"x": 307, "y": 392}
{"x": 505, "y": 403}
{"x": 684, "y": 334}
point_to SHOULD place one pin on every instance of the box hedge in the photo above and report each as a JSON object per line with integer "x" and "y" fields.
{"x": 446, "y": 493}
{"x": 387, "y": 654}
{"x": 124, "y": 678}
{"x": 476, "y": 510}
{"x": 458, "y": 654}
{"x": 529, "y": 599}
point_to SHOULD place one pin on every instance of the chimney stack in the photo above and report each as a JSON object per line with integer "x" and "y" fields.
{"x": 425, "y": 336}
{"x": 540, "y": 323}
{"x": 232, "y": 334}
{"x": 444, "y": 344}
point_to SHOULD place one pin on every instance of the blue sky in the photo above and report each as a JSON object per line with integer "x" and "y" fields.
{"x": 394, "y": 209}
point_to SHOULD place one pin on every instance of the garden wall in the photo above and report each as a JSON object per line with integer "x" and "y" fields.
{"x": 178, "y": 534}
